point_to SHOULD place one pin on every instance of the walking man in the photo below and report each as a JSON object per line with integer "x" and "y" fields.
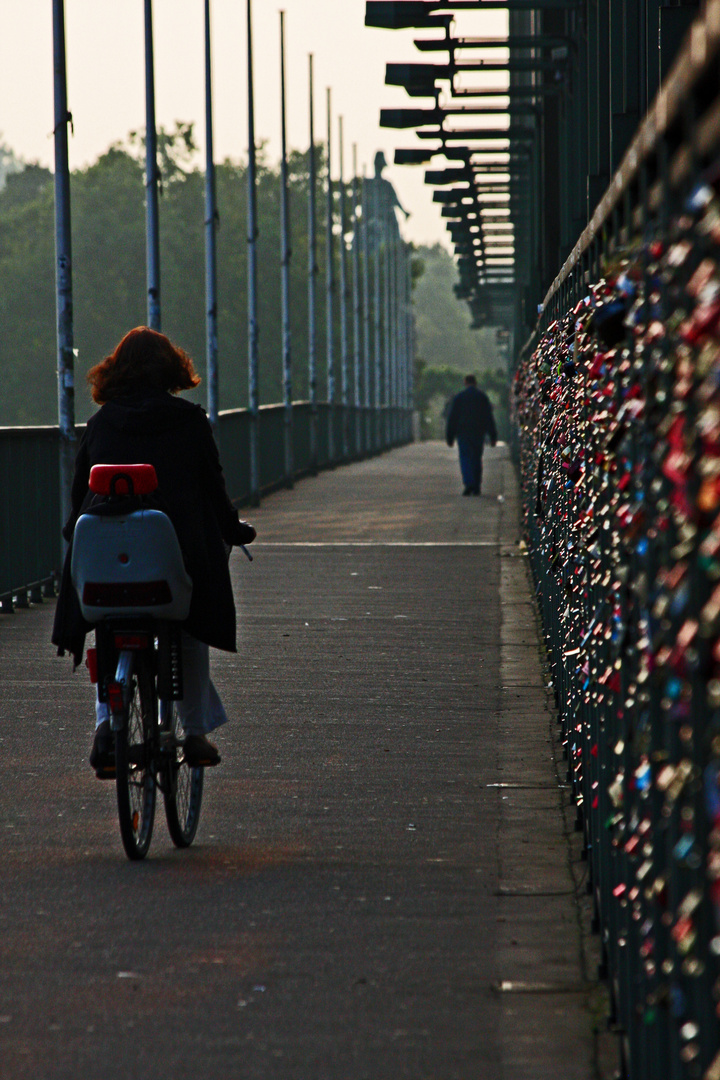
{"x": 469, "y": 421}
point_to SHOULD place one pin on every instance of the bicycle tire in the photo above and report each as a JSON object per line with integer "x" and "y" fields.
{"x": 134, "y": 763}
{"x": 183, "y": 785}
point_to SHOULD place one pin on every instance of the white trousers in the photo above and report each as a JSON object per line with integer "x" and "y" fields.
{"x": 201, "y": 709}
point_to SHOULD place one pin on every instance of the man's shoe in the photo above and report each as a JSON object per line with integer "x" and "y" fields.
{"x": 102, "y": 755}
{"x": 199, "y": 752}
{"x": 467, "y": 491}
{"x": 476, "y": 491}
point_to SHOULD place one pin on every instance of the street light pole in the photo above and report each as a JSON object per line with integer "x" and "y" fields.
{"x": 387, "y": 266}
{"x": 252, "y": 234}
{"x": 211, "y": 218}
{"x": 344, "y": 381}
{"x": 285, "y": 273}
{"x": 357, "y": 308}
{"x": 312, "y": 285}
{"x": 152, "y": 213}
{"x": 376, "y": 244}
{"x": 367, "y": 319}
{"x": 330, "y": 289}
{"x": 63, "y": 268}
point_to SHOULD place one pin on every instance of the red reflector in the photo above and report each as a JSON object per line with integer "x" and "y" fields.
{"x": 123, "y": 558}
{"x": 91, "y": 664}
{"x": 115, "y": 697}
{"x": 119, "y": 594}
{"x": 131, "y": 641}
{"x": 142, "y": 478}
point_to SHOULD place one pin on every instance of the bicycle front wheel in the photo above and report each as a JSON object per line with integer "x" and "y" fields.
{"x": 134, "y": 762}
{"x": 183, "y": 786}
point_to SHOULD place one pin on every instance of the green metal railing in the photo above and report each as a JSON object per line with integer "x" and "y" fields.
{"x": 29, "y": 514}
{"x": 30, "y": 543}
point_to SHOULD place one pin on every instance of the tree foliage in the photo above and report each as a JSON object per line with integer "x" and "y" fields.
{"x": 109, "y": 297}
{"x": 109, "y": 287}
{"x": 444, "y": 337}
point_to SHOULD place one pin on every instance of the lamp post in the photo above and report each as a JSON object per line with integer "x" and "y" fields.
{"x": 344, "y": 381}
{"x": 367, "y": 317}
{"x": 357, "y": 306}
{"x": 211, "y": 219}
{"x": 252, "y": 234}
{"x": 285, "y": 274}
{"x": 376, "y": 225}
{"x": 330, "y": 289}
{"x": 63, "y": 267}
{"x": 152, "y": 213}
{"x": 312, "y": 283}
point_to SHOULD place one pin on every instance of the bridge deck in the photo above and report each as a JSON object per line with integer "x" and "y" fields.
{"x": 365, "y": 898}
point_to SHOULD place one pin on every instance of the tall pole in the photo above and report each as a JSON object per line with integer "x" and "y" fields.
{"x": 211, "y": 217}
{"x": 377, "y": 243}
{"x": 410, "y": 346}
{"x": 344, "y": 380}
{"x": 387, "y": 267}
{"x": 367, "y": 320}
{"x": 330, "y": 289}
{"x": 357, "y": 308}
{"x": 394, "y": 397}
{"x": 285, "y": 272}
{"x": 312, "y": 284}
{"x": 152, "y": 213}
{"x": 63, "y": 267}
{"x": 404, "y": 339}
{"x": 252, "y": 234}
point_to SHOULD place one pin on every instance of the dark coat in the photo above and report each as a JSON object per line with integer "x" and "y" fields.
{"x": 175, "y": 436}
{"x": 471, "y": 418}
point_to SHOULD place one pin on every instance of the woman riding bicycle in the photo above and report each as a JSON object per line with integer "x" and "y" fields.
{"x": 141, "y": 420}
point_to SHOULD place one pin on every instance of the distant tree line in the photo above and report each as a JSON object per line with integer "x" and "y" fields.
{"x": 108, "y": 238}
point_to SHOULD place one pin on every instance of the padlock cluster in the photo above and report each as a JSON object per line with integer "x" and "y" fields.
{"x": 618, "y": 414}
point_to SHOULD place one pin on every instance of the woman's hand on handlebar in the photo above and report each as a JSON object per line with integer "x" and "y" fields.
{"x": 245, "y": 534}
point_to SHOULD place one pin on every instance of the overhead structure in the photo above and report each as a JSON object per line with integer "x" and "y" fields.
{"x": 531, "y": 124}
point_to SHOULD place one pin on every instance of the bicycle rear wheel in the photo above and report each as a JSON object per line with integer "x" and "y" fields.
{"x": 183, "y": 785}
{"x": 134, "y": 762}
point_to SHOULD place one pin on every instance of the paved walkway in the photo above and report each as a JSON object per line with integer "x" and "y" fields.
{"x": 381, "y": 886}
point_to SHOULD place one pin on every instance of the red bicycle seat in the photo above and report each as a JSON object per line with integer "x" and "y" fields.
{"x": 123, "y": 479}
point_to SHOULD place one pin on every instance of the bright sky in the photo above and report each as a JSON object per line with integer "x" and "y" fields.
{"x": 106, "y": 95}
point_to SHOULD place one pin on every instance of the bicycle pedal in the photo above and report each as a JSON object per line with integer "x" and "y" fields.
{"x": 106, "y": 772}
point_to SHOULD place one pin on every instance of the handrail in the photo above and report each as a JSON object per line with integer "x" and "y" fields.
{"x": 30, "y": 545}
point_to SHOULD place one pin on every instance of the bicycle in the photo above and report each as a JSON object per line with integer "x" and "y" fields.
{"x": 128, "y": 571}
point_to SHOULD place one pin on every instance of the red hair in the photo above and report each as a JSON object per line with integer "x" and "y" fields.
{"x": 144, "y": 359}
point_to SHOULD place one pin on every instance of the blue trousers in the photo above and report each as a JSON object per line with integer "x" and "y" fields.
{"x": 471, "y": 453}
{"x": 200, "y": 710}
